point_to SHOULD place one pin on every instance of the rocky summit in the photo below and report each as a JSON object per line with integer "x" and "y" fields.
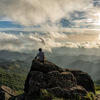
{"x": 47, "y": 81}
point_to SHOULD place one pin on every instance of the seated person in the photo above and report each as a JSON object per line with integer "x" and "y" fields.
{"x": 40, "y": 56}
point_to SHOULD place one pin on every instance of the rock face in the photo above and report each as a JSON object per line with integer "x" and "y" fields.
{"x": 62, "y": 83}
{"x": 6, "y": 93}
{"x": 83, "y": 79}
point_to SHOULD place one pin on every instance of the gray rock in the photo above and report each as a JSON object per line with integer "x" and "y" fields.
{"x": 33, "y": 78}
{"x": 6, "y": 93}
{"x": 69, "y": 93}
{"x": 69, "y": 76}
{"x": 83, "y": 79}
{"x": 45, "y": 67}
{"x": 55, "y": 79}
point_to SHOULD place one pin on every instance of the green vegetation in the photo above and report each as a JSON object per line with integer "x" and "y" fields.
{"x": 47, "y": 96}
{"x": 97, "y": 87}
{"x": 91, "y": 96}
{"x": 13, "y": 80}
{"x": 15, "y": 66}
{"x": 13, "y": 74}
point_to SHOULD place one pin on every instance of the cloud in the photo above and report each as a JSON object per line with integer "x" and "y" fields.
{"x": 2, "y": 18}
{"x": 28, "y": 42}
{"x": 36, "y": 12}
{"x": 87, "y": 44}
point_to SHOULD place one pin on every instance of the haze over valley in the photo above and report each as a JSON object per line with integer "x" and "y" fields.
{"x": 80, "y": 61}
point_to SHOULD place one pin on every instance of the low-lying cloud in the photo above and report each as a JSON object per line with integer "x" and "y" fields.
{"x": 28, "y": 42}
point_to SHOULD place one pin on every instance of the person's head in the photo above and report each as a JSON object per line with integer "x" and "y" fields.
{"x": 40, "y": 49}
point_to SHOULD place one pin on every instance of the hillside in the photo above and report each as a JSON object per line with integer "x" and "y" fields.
{"x": 97, "y": 83}
{"x": 13, "y": 73}
{"x": 16, "y": 66}
{"x": 13, "y": 80}
{"x": 12, "y": 55}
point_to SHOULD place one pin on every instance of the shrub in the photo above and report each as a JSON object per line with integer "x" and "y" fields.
{"x": 91, "y": 96}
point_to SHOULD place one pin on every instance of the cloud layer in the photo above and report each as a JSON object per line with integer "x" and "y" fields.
{"x": 27, "y": 42}
{"x": 34, "y": 12}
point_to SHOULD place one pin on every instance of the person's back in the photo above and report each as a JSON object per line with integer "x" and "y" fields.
{"x": 40, "y": 56}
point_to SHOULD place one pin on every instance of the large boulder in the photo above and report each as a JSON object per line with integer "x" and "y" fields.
{"x": 83, "y": 79}
{"x": 55, "y": 80}
{"x": 68, "y": 93}
{"x": 34, "y": 77}
{"x": 6, "y": 93}
{"x": 44, "y": 67}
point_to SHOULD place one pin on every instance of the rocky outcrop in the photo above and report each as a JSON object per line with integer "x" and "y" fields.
{"x": 6, "y": 93}
{"x": 83, "y": 79}
{"x": 62, "y": 83}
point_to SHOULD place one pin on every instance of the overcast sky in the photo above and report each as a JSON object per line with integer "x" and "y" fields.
{"x": 76, "y": 13}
